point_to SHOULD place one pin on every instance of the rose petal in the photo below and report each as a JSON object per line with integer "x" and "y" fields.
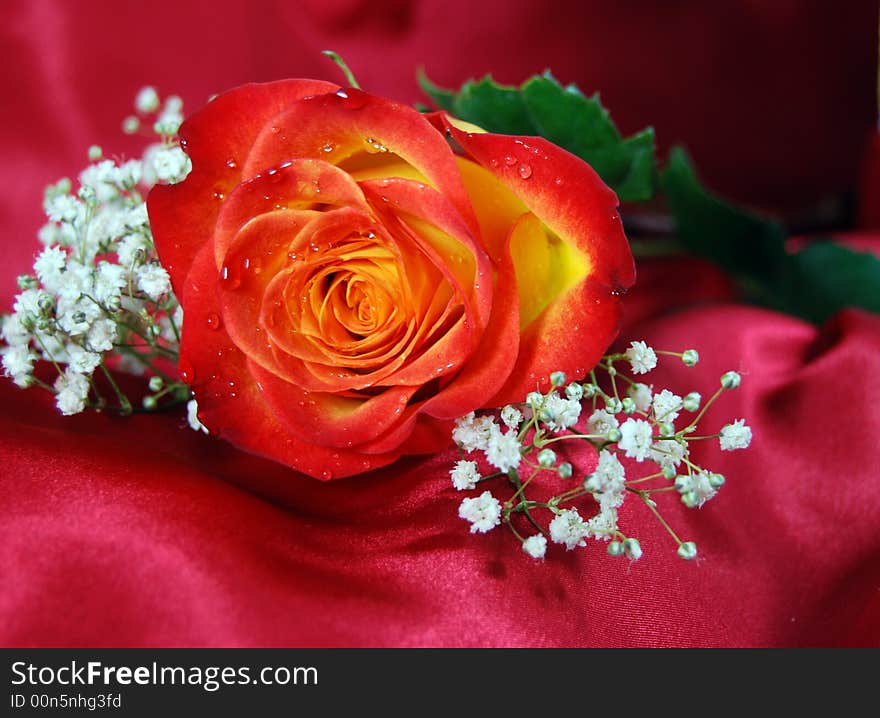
{"x": 217, "y": 140}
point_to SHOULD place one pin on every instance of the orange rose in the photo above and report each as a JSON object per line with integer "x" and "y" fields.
{"x": 351, "y": 284}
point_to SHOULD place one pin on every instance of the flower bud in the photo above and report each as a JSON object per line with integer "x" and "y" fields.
{"x": 716, "y": 481}
{"x": 615, "y": 548}
{"x": 667, "y": 428}
{"x": 130, "y": 125}
{"x": 46, "y": 304}
{"x": 95, "y": 153}
{"x": 613, "y": 405}
{"x": 565, "y": 470}
{"x": 669, "y": 472}
{"x": 690, "y": 357}
{"x": 730, "y": 380}
{"x": 589, "y": 390}
{"x": 628, "y": 406}
{"x": 546, "y": 458}
{"x": 632, "y": 548}
{"x": 690, "y": 499}
{"x": 688, "y": 550}
{"x": 691, "y": 402}
{"x": 557, "y": 378}
{"x": 614, "y": 435}
{"x": 574, "y": 391}
{"x": 150, "y": 403}
{"x": 26, "y": 281}
{"x": 156, "y": 383}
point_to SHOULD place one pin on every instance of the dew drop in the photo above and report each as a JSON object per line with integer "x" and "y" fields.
{"x": 231, "y": 163}
{"x": 509, "y": 160}
{"x": 525, "y": 171}
{"x": 213, "y": 321}
{"x": 327, "y": 147}
{"x": 326, "y": 474}
{"x": 186, "y": 371}
{"x": 219, "y": 196}
{"x": 557, "y": 181}
{"x": 276, "y": 130}
{"x": 230, "y": 277}
{"x": 342, "y": 93}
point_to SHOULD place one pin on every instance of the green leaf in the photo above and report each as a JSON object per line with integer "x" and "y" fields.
{"x": 743, "y": 243}
{"x": 827, "y": 277}
{"x": 815, "y": 283}
{"x": 563, "y": 115}
{"x": 442, "y": 98}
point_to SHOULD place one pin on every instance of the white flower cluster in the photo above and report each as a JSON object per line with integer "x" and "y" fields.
{"x": 98, "y": 295}
{"x": 626, "y": 421}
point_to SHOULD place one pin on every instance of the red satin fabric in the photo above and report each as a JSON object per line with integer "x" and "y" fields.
{"x": 137, "y": 531}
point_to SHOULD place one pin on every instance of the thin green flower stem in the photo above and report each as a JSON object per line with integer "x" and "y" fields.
{"x": 692, "y": 465}
{"x": 706, "y": 406}
{"x": 701, "y": 438}
{"x": 43, "y": 385}
{"x": 574, "y": 493}
{"x": 631, "y": 382}
{"x": 49, "y": 354}
{"x": 588, "y": 437}
{"x": 125, "y": 349}
{"x": 669, "y": 354}
{"x": 523, "y": 485}
{"x": 481, "y": 479}
{"x": 656, "y": 513}
{"x": 613, "y": 375}
{"x": 510, "y": 526}
{"x": 173, "y": 324}
{"x": 124, "y": 403}
{"x": 659, "y": 490}
{"x": 646, "y": 478}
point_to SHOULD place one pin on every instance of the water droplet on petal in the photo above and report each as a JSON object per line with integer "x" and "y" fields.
{"x": 326, "y": 474}
{"x": 186, "y": 371}
{"x": 230, "y": 277}
{"x": 231, "y": 163}
{"x": 327, "y": 147}
{"x": 557, "y": 181}
{"x": 342, "y": 93}
{"x": 525, "y": 171}
{"x": 213, "y": 321}
{"x": 219, "y": 196}
{"x": 509, "y": 160}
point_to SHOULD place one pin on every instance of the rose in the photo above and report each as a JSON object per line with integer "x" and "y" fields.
{"x": 351, "y": 285}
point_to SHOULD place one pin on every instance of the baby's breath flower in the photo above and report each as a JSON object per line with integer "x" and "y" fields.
{"x": 574, "y": 391}
{"x": 604, "y": 524}
{"x": 568, "y": 528}
{"x": 503, "y": 450}
{"x": 601, "y": 423}
{"x": 535, "y": 546}
{"x": 641, "y": 357}
{"x": 18, "y": 364}
{"x": 72, "y": 388}
{"x": 147, "y": 100}
{"x": 153, "y": 280}
{"x": 465, "y": 475}
{"x": 81, "y": 360}
{"x": 695, "y": 489}
{"x": 735, "y": 436}
{"x": 472, "y": 433}
{"x": 565, "y": 470}
{"x": 668, "y": 453}
{"x": 511, "y": 416}
{"x": 641, "y": 395}
{"x": 666, "y": 406}
{"x": 609, "y": 476}
{"x": 635, "y": 439}
{"x": 483, "y": 512}
{"x": 192, "y": 417}
{"x": 558, "y": 413}
{"x": 102, "y": 335}
{"x": 171, "y": 165}
{"x": 615, "y": 548}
